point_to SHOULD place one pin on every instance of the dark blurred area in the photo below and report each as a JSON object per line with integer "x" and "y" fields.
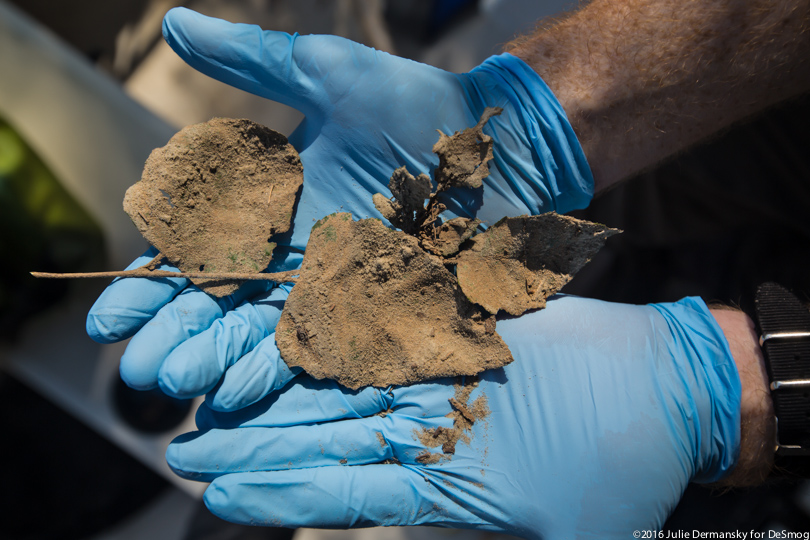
{"x": 713, "y": 222}
{"x": 65, "y": 480}
{"x": 716, "y": 222}
{"x": 92, "y": 27}
{"x": 44, "y": 227}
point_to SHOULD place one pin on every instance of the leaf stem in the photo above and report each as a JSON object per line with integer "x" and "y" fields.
{"x": 142, "y": 272}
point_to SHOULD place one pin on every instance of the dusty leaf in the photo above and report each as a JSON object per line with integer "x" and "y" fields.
{"x": 446, "y": 239}
{"x": 409, "y": 190}
{"x": 408, "y": 205}
{"x": 386, "y": 207}
{"x": 519, "y": 262}
{"x": 372, "y": 308}
{"x": 212, "y": 199}
{"x": 463, "y": 156}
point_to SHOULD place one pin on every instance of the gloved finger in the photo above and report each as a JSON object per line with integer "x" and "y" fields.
{"x": 188, "y": 314}
{"x": 308, "y": 400}
{"x": 305, "y": 401}
{"x": 254, "y": 376}
{"x": 338, "y": 497}
{"x": 197, "y": 364}
{"x": 265, "y": 63}
{"x": 209, "y": 454}
{"x": 129, "y": 303}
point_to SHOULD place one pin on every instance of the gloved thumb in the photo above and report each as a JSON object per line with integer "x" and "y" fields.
{"x": 244, "y": 56}
{"x": 337, "y": 497}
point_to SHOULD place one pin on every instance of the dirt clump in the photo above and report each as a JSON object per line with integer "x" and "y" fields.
{"x": 212, "y": 199}
{"x": 464, "y": 415}
{"x": 371, "y": 307}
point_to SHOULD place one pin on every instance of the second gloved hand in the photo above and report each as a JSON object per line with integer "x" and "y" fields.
{"x": 594, "y": 431}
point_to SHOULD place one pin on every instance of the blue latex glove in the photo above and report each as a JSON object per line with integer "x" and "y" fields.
{"x": 367, "y": 113}
{"x": 595, "y": 429}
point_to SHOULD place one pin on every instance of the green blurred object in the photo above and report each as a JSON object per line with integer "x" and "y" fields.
{"x": 42, "y": 227}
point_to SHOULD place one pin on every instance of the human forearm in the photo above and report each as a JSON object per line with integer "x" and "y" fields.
{"x": 644, "y": 79}
{"x": 757, "y": 416}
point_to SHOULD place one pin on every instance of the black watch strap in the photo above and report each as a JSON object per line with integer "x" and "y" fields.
{"x": 783, "y": 323}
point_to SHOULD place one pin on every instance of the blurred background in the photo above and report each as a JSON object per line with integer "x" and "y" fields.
{"x": 88, "y": 89}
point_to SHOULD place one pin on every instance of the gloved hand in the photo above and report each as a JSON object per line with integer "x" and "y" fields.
{"x": 595, "y": 429}
{"x": 367, "y": 113}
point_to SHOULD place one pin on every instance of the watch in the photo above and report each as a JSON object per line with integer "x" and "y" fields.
{"x": 783, "y": 324}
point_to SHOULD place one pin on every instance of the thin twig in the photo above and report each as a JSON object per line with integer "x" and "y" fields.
{"x": 281, "y": 277}
{"x": 153, "y": 264}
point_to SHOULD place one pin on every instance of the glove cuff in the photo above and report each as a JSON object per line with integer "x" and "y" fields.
{"x": 559, "y": 177}
{"x": 708, "y": 368}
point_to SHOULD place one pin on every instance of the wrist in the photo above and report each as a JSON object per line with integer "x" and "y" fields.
{"x": 538, "y": 146}
{"x": 757, "y": 427}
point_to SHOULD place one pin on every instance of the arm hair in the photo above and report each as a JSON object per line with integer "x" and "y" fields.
{"x": 641, "y": 80}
